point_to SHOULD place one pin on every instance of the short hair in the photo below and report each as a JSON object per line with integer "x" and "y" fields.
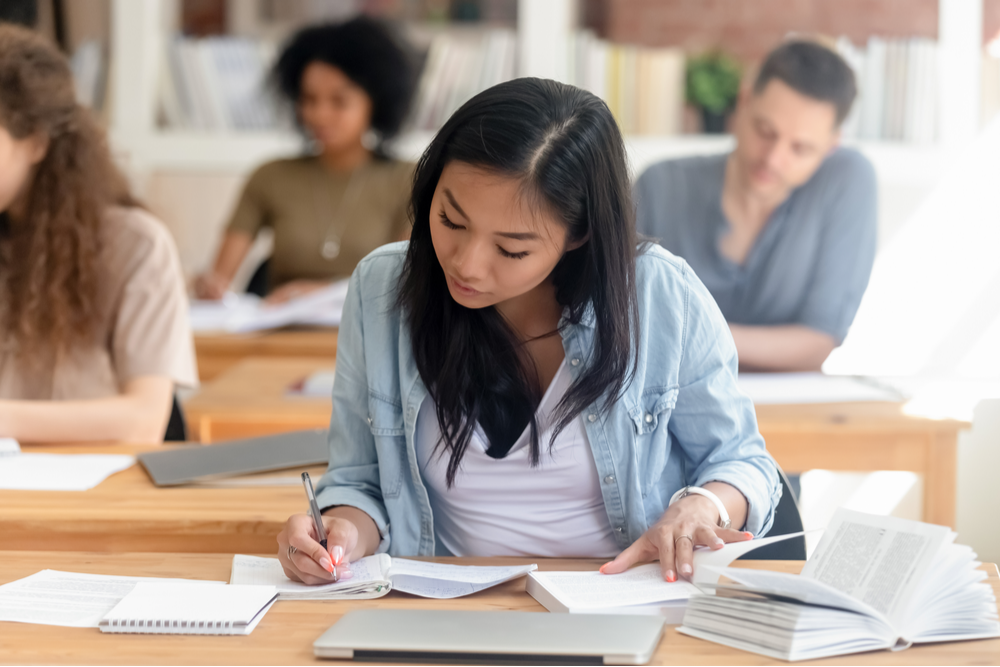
{"x": 813, "y": 70}
{"x": 368, "y": 52}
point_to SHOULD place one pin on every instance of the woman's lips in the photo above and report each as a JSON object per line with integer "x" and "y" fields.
{"x": 463, "y": 289}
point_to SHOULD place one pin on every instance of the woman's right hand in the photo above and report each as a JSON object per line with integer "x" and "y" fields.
{"x": 309, "y": 562}
{"x": 210, "y": 285}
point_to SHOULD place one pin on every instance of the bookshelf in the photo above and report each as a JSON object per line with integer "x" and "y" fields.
{"x": 140, "y": 30}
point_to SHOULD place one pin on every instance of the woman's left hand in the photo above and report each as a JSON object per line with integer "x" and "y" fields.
{"x": 691, "y": 521}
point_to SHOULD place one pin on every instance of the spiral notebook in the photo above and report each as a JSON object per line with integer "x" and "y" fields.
{"x": 190, "y": 609}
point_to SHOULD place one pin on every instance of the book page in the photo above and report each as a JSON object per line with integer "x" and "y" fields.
{"x": 879, "y": 560}
{"x": 593, "y": 590}
{"x": 445, "y": 581}
{"x": 69, "y": 599}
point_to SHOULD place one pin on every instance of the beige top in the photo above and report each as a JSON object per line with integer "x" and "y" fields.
{"x": 308, "y": 205}
{"x": 143, "y": 324}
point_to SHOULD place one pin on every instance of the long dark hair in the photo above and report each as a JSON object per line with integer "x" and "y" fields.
{"x": 564, "y": 146}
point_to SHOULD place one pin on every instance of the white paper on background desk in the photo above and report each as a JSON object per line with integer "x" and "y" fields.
{"x": 69, "y": 599}
{"x": 241, "y": 313}
{"x": 9, "y": 447}
{"x": 60, "y": 472}
{"x": 795, "y": 388}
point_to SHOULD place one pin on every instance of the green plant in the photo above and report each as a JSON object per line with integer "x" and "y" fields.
{"x": 713, "y": 81}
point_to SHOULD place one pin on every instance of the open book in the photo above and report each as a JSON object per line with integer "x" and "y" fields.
{"x": 374, "y": 576}
{"x": 640, "y": 590}
{"x": 873, "y": 583}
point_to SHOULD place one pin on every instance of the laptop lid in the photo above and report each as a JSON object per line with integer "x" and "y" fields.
{"x": 184, "y": 465}
{"x": 491, "y": 636}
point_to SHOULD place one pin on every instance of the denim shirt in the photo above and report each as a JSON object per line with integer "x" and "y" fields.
{"x": 682, "y": 421}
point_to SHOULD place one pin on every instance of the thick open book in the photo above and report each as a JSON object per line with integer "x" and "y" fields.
{"x": 640, "y": 590}
{"x": 374, "y": 576}
{"x": 190, "y": 609}
{"x": 873, "y": 583}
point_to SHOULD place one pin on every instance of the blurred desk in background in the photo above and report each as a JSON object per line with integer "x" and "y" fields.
{"x": 867, "y": 436}
{"x": 285, "y": 636}
{"x": 126, "y": 512}
{"x": 253, "y": 398}
{"x": 218, "y": 352}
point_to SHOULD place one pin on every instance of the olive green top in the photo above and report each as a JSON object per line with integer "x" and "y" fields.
{"x": 308, "y": 205}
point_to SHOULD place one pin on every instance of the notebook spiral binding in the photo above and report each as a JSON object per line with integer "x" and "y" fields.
{"x": 152, "y": 626}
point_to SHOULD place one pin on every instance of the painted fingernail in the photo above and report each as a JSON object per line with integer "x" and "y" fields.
{"x": 344, "y": 574}
{"x": 685, "y": 569}
{"x": 326, "y": 564}
{"x": 670, "y": 576}
{"x": 748, "y": 534}
{"x": 338, "y": 554}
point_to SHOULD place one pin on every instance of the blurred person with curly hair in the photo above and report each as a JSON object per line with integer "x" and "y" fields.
{"x": 92, "y": 303}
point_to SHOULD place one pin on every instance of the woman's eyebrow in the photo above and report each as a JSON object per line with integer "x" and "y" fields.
{"x": 517, "y": 236}
{"x": 451, "y": 198}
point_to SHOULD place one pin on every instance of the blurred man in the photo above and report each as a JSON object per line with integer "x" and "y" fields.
{"x": 782, "y": 230}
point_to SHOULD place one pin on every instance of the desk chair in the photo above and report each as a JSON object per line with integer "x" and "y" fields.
{"x": 176, "y": 428}
{"x": 787, "y": 519}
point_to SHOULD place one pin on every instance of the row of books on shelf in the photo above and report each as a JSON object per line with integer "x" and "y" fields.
{"x": 220, "y": 83}
{"x": 898, "y": 83}
{"x": 644, "y": 87}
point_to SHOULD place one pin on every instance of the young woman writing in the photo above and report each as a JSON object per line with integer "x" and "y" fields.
{"x": 350, "y": 84}
{"x": 92, "y": 302}
{"x": 520, "y": 378}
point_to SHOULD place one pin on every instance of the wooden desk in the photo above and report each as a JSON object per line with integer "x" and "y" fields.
{"x": 286, "y": 634}
{"x": 127, "y": 513}
{"x": 218, "y": 352}
{"x": 251, "y": 398}
{"x": 865, "y": 437}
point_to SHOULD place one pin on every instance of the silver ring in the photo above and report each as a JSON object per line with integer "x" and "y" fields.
{"x": 291, "y": 551}
{"x": 681, "y": 537}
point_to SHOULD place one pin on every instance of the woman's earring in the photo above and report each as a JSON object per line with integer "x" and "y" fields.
{"x": 371, "y": 139}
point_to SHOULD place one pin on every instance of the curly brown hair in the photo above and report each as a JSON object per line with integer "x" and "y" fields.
{"x": 49, "y": 251}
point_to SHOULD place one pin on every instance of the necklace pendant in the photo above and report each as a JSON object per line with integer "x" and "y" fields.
{"x": 331, "y": 249}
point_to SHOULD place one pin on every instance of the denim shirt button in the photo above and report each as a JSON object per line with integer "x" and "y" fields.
{"x": 369, "y": 421}
{"x": 609, "y": 479}
{"x": 575, "y": 362}
{"x": 619, "y": 529}
{"x": 649, "y": 418}
{"x": 592, "y": 418}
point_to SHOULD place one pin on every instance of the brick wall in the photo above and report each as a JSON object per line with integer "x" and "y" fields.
{"x": 750, "y": 28}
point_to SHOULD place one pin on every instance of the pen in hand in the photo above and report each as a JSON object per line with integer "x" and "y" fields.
{"x": 317, "y": 516}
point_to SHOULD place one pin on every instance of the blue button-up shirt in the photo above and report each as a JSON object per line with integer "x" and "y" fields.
{"x": 682, "y": 421}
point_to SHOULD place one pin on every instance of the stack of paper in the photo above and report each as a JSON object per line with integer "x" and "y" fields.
{"x": 59, "y": 472}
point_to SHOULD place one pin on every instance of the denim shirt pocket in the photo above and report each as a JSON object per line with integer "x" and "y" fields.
{"x": 385, "y": 419}
{"x": 652, "y": 443}
{"x": 653, "y": 406}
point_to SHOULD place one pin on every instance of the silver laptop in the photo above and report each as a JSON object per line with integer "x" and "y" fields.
{"x": 199, "y": 463}
{"x": 491, "y": 636}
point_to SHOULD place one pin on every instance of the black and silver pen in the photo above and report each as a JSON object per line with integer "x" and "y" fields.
{"x": 316, "y": 515}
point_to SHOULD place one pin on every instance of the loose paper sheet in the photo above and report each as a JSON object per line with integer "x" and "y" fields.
{"x": 796, "y": 388}
{"x": 240, "y": 313}
{"x": 68, "y": 599}
{"x": 59, "y": 472}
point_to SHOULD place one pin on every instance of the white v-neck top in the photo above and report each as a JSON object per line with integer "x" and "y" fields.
{"x": 506, "y": 507}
